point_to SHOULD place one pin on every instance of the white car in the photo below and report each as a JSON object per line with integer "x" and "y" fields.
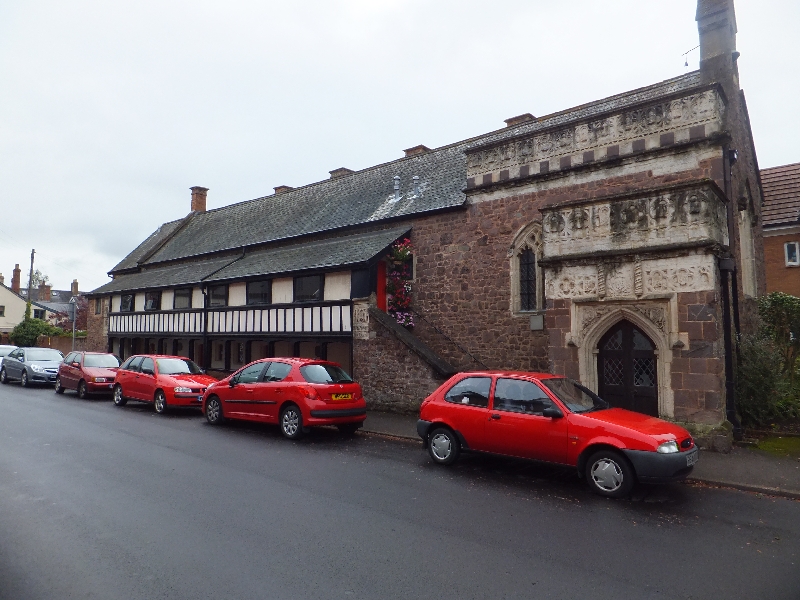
{"x": 5, "y": 350}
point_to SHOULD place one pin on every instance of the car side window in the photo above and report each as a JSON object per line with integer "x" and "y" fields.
{"x": 15, "y": 354}
{"x": 250, "y": 374}
{"x": 148, "y": 363}
{"x": 473, "y": 391}
{"x": 517, "y": 395}
{"x": 69, "y": 358}
{"x": 135, "y": 363}
{"x": 277, "y": 371}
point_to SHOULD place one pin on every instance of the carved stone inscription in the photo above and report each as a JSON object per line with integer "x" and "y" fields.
{"x": 672, "y": 217}
{"x": 695, "y": 109}
{"x": 361, "y": 321}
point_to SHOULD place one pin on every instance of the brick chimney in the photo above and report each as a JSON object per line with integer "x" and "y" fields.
{"x": 74, "y": 288}
{"x": 421, "y": 149}
{"x": 15, "y": 279}
{"x": 281, "y": 189}
{"x": 44, "y": 292}
{"x": 198, "y": 198}
{"x": 716, "y": 24}
{"x": 519, "y": 119}
{"x": 340, "y": 172}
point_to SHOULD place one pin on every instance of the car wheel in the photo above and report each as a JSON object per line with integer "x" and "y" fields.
{"x": 160, "y": 402}
{"x": 214, "y": 411}
{"x": 610, "y": 474}
{"x": 82, "y": 390}
{"x": 348, "y": 428}
{"x": 23, "y": 381}
{"x": 119, "y": 399}
{"x": 59, "y": 387}
{"x": 443, "y": 446}
{"x": 3, "y": 376}
{"x": 291, "y": 422}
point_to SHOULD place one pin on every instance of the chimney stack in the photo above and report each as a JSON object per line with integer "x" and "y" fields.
{"x": 198, "y": 198}
{"x": 44, "y": 292}
{"x": 421, "y": 149}
{"x": 519, "y": 119}
{"x": 716, "y": 24}
{"x": 74, "y": 288}
{"x": 2, "y": 279}
{"x": 15, "y": 279}
{"x": 340, "y": 172}
{"x": 281, "y": 189}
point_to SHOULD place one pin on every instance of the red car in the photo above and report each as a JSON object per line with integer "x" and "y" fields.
{"x": 163, "y": 380}
{"x": 296, "y": 393}
{"x": 87, "y": 372}
{"x": 549, "y": 418}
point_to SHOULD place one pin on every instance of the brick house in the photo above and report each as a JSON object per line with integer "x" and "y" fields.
{"x": 781, "y": 216}
{"x": 617, "y": 242}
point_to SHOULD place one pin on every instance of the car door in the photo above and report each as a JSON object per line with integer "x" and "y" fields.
{"x": 516, "y": 426}
{"x": 126, "y": 376}
{"x": 147, "y": 380}
{"x": 273, "y": 389}
{"x": 69, "y": 373}
{"x": 239, "y": 399}
{"x": 13, "y": 363}
{"x": 469, "y": 412}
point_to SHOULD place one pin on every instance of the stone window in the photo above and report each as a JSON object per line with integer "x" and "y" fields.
{"x": 527, "y": 283}
{"x": 792, "y": 254}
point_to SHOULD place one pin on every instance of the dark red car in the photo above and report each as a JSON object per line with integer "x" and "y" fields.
{"x": 296, "y": 393}
{"x": 87, "y": 372}
{"x": 163, "y": 380}
{"x": 549, "y": 418}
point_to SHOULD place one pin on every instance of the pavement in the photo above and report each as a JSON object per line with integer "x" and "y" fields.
{"x": 747, "y": 469}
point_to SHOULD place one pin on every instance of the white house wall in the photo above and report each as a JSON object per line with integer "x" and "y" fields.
{"x": 337, "y": 286}
{"x": 237, "y": 294}
{"x": 283, "y": 290}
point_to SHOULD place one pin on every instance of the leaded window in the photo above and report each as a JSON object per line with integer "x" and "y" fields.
{"x": 527, "y": 280}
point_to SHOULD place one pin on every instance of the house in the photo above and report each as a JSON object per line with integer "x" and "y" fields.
{"x": 781, "y": 215}
{"x": 617, "y": 242}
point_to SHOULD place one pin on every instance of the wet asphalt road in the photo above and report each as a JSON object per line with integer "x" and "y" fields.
{"x": 104, "y": 502}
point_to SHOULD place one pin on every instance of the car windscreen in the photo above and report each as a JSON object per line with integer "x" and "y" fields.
{"x": 324, "y": 374}
{"x": 43, "y": 354}
{"x": 576, "y": 397}
{"x": 177, "y": 366}
{"x": 100, "y": 360}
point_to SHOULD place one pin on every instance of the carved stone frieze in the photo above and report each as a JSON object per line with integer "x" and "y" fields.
{"x": 658, "y": 117}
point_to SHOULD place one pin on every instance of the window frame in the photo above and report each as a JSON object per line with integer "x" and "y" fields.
{"x": 260, "y": 302}
{"x": 210, "y": 293}
{"x": 179, "y": 293}
{"x": 796, "y": 262}
{"x": 148, "y": 296}
{"x": 528, "y": 238}
{"x": 320, "y": 294}
{"x": 130, "y": 305}
{"x": 2, "y": 310}
{"x": 39, "y": 313}
{"x": 98, "y": 306}
{"x": 489, "y": 393}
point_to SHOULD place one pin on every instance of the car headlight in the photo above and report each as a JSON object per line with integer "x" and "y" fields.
{"x": 185, "y": 390}
{"x": 668, "y": 447}
{"x": 37, "y": 369}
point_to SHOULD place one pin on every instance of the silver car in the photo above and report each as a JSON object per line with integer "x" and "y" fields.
{"x": 31, "y": 365}
{"x": 4, "y": 351}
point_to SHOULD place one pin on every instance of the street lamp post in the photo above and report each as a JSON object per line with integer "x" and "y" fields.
{"x": 73, "y": 310}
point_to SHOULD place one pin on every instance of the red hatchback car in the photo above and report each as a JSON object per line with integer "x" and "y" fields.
{"x": 549, "y": 418}
{"x": 296, "y": 393}
{"x": 87, "y": 372}
{"x": 163, "y": 380}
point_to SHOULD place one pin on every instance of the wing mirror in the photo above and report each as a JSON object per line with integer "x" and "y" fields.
{"x": 552, "y": 412}
{"x": 148, "y": 371}
{"x": 232, "y": 382}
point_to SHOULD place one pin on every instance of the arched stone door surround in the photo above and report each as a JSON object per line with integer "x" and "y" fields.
{"x": 599, "y": 326}
{"x": 627, "y": 369}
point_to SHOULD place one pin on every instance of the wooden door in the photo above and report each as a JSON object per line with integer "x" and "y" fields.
{"x": 626, "y": 369}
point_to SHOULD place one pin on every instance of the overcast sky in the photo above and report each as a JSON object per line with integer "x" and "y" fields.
{"x": 110, "y": 111}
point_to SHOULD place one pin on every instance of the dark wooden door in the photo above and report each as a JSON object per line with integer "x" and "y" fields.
{"x": 626, "y": 369}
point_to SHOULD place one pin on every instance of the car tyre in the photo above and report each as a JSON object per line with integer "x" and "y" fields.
{"x": 348, "y": 429}
{"x": 82, "y": 393}
{"x": 610, "y": 474}
{"x": 59, "y": 387}
{"x": 119, "y": 399}
{"x": 3, "y": 376}
{"x": 443, "y": 446}
{"x": 214, "y": 411}
{"x": 291, "y": 422}
{"x": 160, "y": 402}
{"x": 23, "y": 380}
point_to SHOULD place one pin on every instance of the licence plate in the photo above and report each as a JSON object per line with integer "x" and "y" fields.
{"x": 341, "y": 396}
{"x": 692, "y": 458}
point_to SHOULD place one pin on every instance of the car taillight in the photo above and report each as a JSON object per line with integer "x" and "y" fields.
{"x": 309, "y": 392}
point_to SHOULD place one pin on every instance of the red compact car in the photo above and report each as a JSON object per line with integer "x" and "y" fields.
{"x": 163, "y": 380}
{"x": 296, "y": 393}
{"x": 87, "y": 372}
{"x": 549, "y": 418}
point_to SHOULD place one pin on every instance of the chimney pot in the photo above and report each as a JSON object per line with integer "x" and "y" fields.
{"x": 519, "y": 119}
{"x": 282, "y": 189}
{"x": 2, "y": 279}
{"x": 15, "y": 279}
{"x": 416, "y": 150}
{"x": 198, "y": 198}
{"x": 340, "y": 172}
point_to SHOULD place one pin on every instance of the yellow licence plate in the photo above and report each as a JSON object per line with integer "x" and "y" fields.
{"x": 341, "y": 396}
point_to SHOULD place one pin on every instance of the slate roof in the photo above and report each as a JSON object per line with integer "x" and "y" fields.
{"x": 781, "y": 187}
{"x": 360, "y": 198}
{"x": 320, "y": 254}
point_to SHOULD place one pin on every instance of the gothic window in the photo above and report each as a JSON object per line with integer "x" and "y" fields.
{"x": 527, "y": 283}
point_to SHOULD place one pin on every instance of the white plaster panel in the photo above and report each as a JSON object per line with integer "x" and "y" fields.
{"x": 237, "y": 294}
{"x": 116, "y": 301}
{"x": 337, "y": 286}
{"x": 167, "y": 299}
{"x": 283, "y": 290}
{"x": 138, "y": 302}
{"x": 197, "y": 297}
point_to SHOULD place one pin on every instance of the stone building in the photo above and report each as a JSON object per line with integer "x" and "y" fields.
{"x": 617, "y": 242}
{"x": 781, "y": 224}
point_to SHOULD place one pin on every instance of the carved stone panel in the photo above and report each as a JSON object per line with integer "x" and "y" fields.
{"x": 361, "y": 321}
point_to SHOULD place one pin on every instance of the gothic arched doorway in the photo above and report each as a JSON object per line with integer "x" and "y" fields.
{"x": 626, "y": 369}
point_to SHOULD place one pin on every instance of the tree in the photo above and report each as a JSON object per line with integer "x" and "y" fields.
{"x": 39, "y": 278}
{"x": 781, "y": 316}
{"x": 63, "y": 320}
{"x": 25, "y": 333}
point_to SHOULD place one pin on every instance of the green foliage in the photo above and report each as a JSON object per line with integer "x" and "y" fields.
{"x": 761, "y": 385}
{"x": 780, "y": 314}
{"x": 25, "y": 333}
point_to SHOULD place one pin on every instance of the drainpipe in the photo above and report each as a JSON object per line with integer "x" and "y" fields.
{"x": 726, "y": 267}
{"x": 206, "y": 349}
